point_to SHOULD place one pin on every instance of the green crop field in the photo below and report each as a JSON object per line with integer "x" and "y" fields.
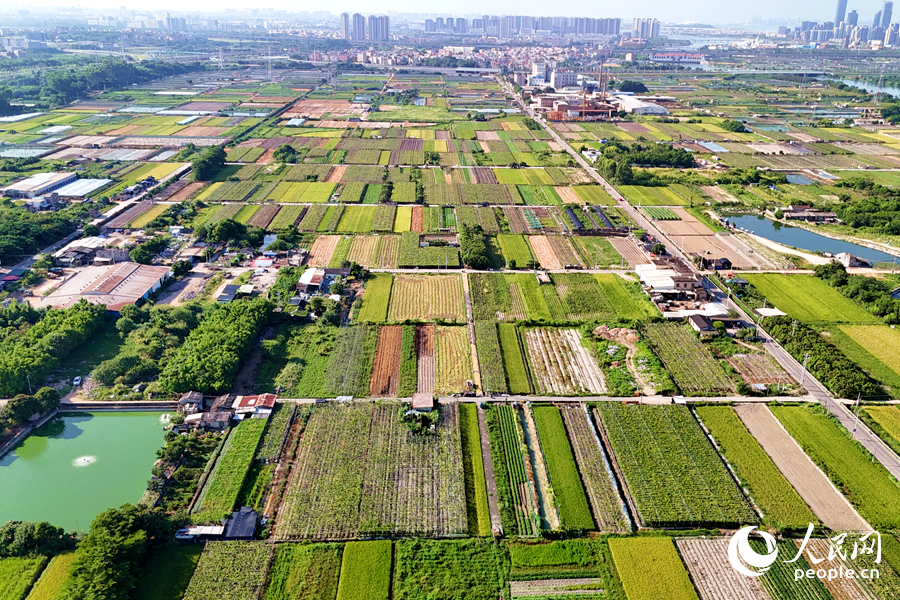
{"x": 167, "y": 573}
{"x": 651, "y": 196}
{"x": 17, "y": 574}
{"x": 809, "y": 299}
{"x": 477, "y": 510}
{"x": 490, "y": 357}
{"x": 227, "y": 476}
{"x": 593, "y": 194}
{"x": 885, "y": 420}
{"x": 357, "y": 219}
{"x": 672, "y": 471}
{"x": 659, "y": 213}
{"x": 366, "y": 571}
{"x": 513, "y": 361}
{"x": 651, "y": 569}
{"x": 881, "y": 341}
{"x": 780, "y": 503}
{"x": 376, "y": 299}
{"x": 869, "y": 486}
{"x": 598, "y": 252}
{"x": 688, "y": 361}
{"x": 514, "y": 247}
{"x": 626, "y": 298}
{"x": 574, "y": 511}
{"x": 230, "y": 571}
{"x": 469, "y": 569}
{"x": 305, "y": 572}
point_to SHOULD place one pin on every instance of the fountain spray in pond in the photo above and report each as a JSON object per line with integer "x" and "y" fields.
{"x": 83, "y": 461}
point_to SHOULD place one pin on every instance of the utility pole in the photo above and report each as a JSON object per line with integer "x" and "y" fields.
{"x": 856, "y": 422}
{"x": 803, "y": 374}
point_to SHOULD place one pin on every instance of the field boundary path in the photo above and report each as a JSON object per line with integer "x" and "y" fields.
{"x": 887, "y": 457}
{"x": 825, "y": 500}
{"x": 470, "y": 323}
{"x": 490, "y": 481}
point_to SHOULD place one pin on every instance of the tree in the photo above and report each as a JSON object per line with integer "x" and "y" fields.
{"x": 635, "y": 87}
{"x": 209, "y": 163}
{"x": 140, "y": 255}
{"x": 317, "y": 305}
{"x": 733, "y": 126}
{"x": 337, "y": 287}
{"x": 659, "y": 249}
{"x": 24, "y": 538}
{"x": 5, "y": 96}
{"x": 90, "y": 230}
{"x": 285, "y": 154}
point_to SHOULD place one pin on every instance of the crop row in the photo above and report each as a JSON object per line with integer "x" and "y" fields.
{"x": 671, "y": 469}
{"x": 689, "y": 363}
{"x": 230, "y": 571}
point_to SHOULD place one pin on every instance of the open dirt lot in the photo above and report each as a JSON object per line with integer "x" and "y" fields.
{"x": 813, "y": 486}
{"x": 707, "y": 561}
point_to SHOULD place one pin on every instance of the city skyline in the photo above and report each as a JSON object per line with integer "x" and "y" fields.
{"x": 705, "y": 11}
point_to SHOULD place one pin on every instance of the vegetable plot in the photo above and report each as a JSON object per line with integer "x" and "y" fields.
{"x": 672, "y": 471}
{"x": 691, "y": 365}
{"x": 230, "y": 571}
{"x": 360, "y": 471}
{"x": 561, "y": 365}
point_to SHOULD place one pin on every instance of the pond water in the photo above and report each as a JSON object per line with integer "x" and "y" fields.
{"x": 872, "y": 88}
{"x": 805, "y": 240}
{"x": 77, "y": 465}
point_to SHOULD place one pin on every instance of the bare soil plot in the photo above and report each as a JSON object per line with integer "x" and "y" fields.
{"x": 425, "y": 358}
{"x": 759, "y": 368}
{"x": 718, "y": 194}
{"x": 484, "y": 174}
{"x": 545, "y": 253}
{"x": 627, "y": 248}
{"x": 817, "y": 491}
{"x": 264, "y": 216}
{"x": 568, "y": 195}
{"x": 336, "y": 174}
{"x": 555, "y": 587}
{"x": 560, "y": 364}
{"x": 322, "y": 249}
{"x": 386, "y": 369}
{"x": 418, "y": 216}
{"x": 707, "y": 561}
{"x": 186, "y": 192}
{"x": 562, "y": 247}
{"x": 515, "y": 219}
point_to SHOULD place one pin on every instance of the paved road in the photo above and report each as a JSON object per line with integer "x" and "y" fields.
{"x": 860, "y": 431}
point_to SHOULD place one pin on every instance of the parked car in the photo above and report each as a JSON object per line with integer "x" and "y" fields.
{"x": 77, "y": 381}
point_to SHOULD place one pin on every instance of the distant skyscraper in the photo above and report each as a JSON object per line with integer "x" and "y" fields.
{"x": 359, "y": 28}
{"x": 429, "y": 26}
{"x": 379, "y": 29}
{"x": 853, "y": 18}
{"x": 345, "y": 26}
{"x": 439, "y": 23}
{"x": 840, "y": 12}
{"x": 886, "y": 14}
{"x": 461, "y": 26}
{"x": 644, "y": 29}
{"x": 877, "y": 21}
{"x": 507, "y": 25}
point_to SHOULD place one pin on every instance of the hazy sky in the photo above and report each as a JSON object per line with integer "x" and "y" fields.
{"x": 711, "y": 11}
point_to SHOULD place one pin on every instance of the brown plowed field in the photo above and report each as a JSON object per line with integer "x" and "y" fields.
{"x": 632, "y": 254}
{"x": 707, "y": 561}
{"x": 322, "y": 249}
{"x": 425, "y": 358}
{"x": 813, "y": 486}
{"x": 263, "y": 217}
{"x": 336, "y": 174}
{"x": 840, "y": 588}
{"x": 544, "y": 252}
{"x": 516, "y": 220}
{"x": 418, "y": 214}
{"x": 484, "y": 174}
{"x": 562, "y": 247}
{"x": 186, "y": 192}
{"x": 386, "y": 370}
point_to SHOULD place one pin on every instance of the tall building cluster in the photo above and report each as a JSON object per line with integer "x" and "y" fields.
{"x": 508, "y": 27}
{"x": 645, "y": 29}
{"x": 357, "y": 29}
{"x": 846, "y": 27}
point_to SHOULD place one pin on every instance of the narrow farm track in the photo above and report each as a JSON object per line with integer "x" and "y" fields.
{"x": 470, "y": 323}
{"x": 811, "y": 483}
{"x": 490, "y": 480}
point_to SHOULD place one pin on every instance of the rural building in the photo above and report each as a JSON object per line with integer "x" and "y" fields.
{"x": 257, "y": 407}
{"x": 241, "y": 525}
{"x": 808, "y": 214}
{"x": 228, "y": 294}
{"x": 848, "y": 260}
{"x": 422, "y": 402}
{"x": 702, "y": 325}
{"x": 38, "y": 184}
{"x": 718, "y": 264}
{"x": 218, "y": 418}
{"x": 113, "y": 285}
{"x": 311, "y": 280}
{"x": 637, "y": 106}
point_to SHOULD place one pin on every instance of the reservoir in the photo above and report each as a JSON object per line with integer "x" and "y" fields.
{"x": 805, "y": 240}
{"x": 77, "y": 465}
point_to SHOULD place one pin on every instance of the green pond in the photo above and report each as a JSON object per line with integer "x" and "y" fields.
{"x": 77, "y": 465}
